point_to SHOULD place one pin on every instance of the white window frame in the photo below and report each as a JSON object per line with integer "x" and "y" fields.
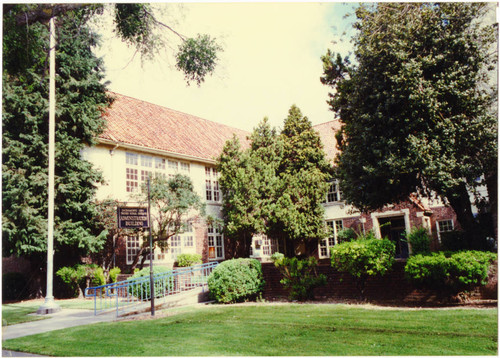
{"x": 133, "y": 246}
{"x": 215, "y": 242}
{"x": 212, "y": 190}
{"x": 334, "y": 194}
{"x": 438, "y": 227}
{"x": 335, "y": 226}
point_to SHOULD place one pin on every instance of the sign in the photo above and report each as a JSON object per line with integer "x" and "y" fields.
{"x": 132, "y": 218}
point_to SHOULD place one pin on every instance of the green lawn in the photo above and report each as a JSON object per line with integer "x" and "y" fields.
{"x": 282, "y": 329}
{"x": 15, "y": 313}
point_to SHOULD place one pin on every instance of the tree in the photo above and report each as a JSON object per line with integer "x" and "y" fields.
{"x": 417, "y": 107}
{"x": 174, "y": 206}
{"x": 276, "y": 186}
{"x": 81, "y": 98}
{"x": 303, "y": 175}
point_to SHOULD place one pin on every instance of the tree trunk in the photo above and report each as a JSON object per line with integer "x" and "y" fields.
{"x": 461, "y": 204}
{"x": 492, "y": 186}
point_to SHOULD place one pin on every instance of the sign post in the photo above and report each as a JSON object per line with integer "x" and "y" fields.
{"x": 134, "y": 218}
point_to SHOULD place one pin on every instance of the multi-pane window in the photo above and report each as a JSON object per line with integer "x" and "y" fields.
{"x": 160, "y": 163}
{"x": 133, "y": 248}
{"x": 215, "y": 242}
{"x": 444, "y": 226}
{"x": 334, "y": 226}
{"x": 211, "y": 184}
{"x": 334, "y": 194}
{"x": 173, "y": 165}
{"x": 147, "y": 161}
{"x": 175, "y": 246}
{"x": 145, "y": 174}
{"x": 188, "y": 241}
{"x": 132, "y": 183}
{"x": 185, "y": 167}
{"x": 132, "y": 158}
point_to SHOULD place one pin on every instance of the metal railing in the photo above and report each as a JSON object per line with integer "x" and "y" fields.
{"x": 135, "y": 291}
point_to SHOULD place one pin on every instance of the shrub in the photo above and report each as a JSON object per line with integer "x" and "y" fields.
{"x": 142, "y": 290}
{"x": 113, "y": 274}
{"x": 96, "y": 276}
{"x": 363, "y": 258}
{"x": 236, "y": 280}
{"x": 186, "y": 260}
{"x": 14, "y": 286}
{"x": 299, "y": 276}
{"x": 419, "y": 241}
{"x": 74, "y": 278}
{"x": 453, "y": 272}
{"x": 346, "y": 235}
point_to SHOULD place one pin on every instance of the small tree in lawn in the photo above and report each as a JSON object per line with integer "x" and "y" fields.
{"x": 363, "y": 258}
{"x": 174, "y": 205}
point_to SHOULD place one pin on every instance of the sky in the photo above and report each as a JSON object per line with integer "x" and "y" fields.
{"x": 271, "y": 60}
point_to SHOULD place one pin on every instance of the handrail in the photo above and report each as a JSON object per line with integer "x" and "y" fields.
{"x": 136, "y": 290}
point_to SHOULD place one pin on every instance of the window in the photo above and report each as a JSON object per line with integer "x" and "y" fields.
{"x": 132, "y": 180}
{"x": 160, "y": 163}
{"x": 132, "y": 158}
{"x": 188, "y": 241}
{"x": 145, "y": 174}
{"x": 173, "y": 166}
{"x": 334, "y": 226}
{"x": 133, "y": 248}
{"x": 147, "y": 161}
{"x": 215, "y": 242}
{"x": 175, "y": 246}
{"x": 334, "y": 193}
{"x": 444, "y": 226}
{"x": 211, "y": 184}
{"x": 185, "y": 167}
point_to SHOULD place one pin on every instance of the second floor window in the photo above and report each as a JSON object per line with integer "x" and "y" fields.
{"x": 334, "y": 194}
{"x": 212, "y": 184}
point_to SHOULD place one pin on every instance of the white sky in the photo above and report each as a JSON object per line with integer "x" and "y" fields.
{"x": 271, "y": 60}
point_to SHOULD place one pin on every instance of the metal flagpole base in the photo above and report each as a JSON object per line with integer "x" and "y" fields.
{"x": 48, "y": 307}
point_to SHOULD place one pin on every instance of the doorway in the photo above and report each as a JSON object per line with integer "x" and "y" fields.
{"x": 394, "y": 229}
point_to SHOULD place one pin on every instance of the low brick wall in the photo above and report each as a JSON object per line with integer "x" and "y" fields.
{"x": 392, "y": 287}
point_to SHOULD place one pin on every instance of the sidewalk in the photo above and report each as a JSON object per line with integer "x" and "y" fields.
{"x": 63, "y": 319}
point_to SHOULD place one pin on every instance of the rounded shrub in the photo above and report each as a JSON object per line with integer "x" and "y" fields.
{"x": 419, "y": 241}
{"x": 236, "y": 280}
{"x": 113, "y": 274}
{"x": 186, "y": 260}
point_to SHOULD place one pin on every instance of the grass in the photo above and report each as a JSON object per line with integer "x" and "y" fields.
{"x": 14, "y": 313}
{"x": 281, "y": 330}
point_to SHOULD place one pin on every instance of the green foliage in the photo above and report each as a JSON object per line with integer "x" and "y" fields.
{"x": 362, "y": 258}
{"x": 236, "y": 280}
{"x": 453, "y": 272}
{"x": 346, "y": 235}
{"x": 419, "y": 240}
{"x": 14, "y": 286}
{"x": 79, "y": 277}
{"x": 143, "y": 290}
{"x": 81, "y": 96}
{"x": 299, "y": 276}
{"x": 113, "y": 274}
{"x": 275, "y": 187}
{"x": 421, "y": 94}
{"x": 186, "y": 260}
{"x": 197, "y": 57}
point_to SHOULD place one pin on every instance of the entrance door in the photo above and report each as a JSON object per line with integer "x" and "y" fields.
{"x": 394, "y": 229}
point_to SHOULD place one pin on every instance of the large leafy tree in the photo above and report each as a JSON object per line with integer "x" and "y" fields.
{"x": 417, "y": 106}
{"x": 277, "y": 185}
{"x": 174, "y": 206}
{"x": 81, "y": 98}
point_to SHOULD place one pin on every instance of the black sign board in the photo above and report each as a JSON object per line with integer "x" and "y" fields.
{"x": 132, "y": 218}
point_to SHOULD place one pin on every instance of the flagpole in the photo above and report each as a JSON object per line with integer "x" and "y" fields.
{"x": 49, "y": 305}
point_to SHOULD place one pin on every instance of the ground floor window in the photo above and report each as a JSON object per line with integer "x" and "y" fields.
{"x": 133, "y": 248}
{"x": 215, "y": 242}
{"x": 444, "y": 226}
{"x": 334, "y": 226}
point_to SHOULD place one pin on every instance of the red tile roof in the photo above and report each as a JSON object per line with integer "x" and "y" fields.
{"x": 139, "y": 123}
{"x": 327, "y": 134}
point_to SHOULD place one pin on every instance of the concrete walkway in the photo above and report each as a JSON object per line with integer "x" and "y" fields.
{"x": 63, "y": 319}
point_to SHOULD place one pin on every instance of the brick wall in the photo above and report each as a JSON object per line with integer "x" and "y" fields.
{"x": 391, "y": 287}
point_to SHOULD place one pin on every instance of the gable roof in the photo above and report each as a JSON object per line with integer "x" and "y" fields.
{"x": 327, "y": 132}
{"x": 137, "y": 123}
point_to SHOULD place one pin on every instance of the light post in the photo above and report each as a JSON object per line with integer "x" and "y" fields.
{"x": 151, "y": 255}
{"x": 49, "y": 306}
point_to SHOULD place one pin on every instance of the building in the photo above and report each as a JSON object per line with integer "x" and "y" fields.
{"x": 142, "y": 138}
